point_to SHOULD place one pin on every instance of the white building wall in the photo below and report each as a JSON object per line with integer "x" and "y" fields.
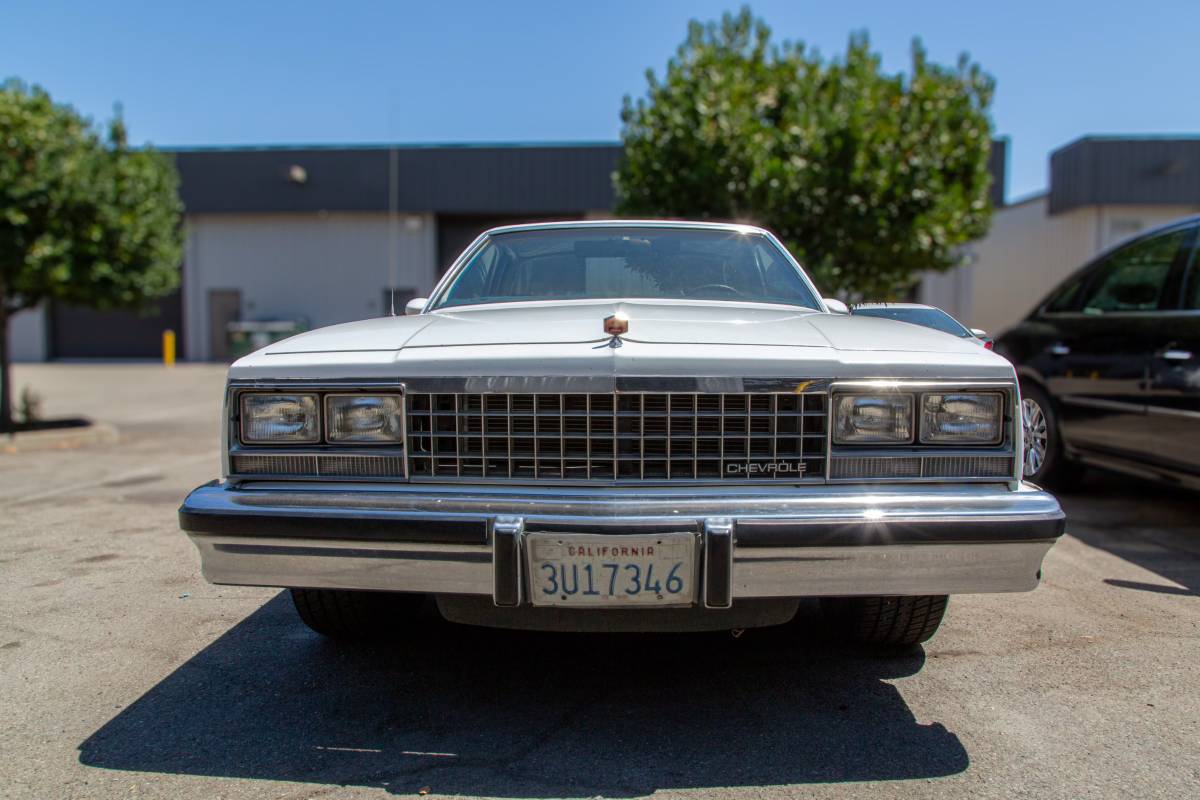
{"x": 27, "y": 335}
{"x": 1027, "y": 253}
{"x": 325, "y": 268}
{"x": 1117, "y": 223}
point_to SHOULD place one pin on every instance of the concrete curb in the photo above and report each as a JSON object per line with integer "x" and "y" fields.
{"x": 61, "y": 439}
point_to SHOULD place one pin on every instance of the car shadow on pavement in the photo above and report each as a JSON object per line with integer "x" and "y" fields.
{"x": 472, "y": 711}
{"x": 1148, "y": 524}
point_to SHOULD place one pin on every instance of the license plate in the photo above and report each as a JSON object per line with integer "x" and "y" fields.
{"x": 582, "y": 569}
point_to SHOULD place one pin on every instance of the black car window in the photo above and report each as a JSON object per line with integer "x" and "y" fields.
{"x": 1191, "y": 288}
{"x": 1133, "y": 278}
{"x": 1066, "y": 297}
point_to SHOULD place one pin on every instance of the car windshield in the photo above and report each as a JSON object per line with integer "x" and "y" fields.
{"x": 927, "y": 317}
{"x": 628, "y": 262}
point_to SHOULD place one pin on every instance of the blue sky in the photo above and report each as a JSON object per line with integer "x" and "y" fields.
{"x": 218, "y": 73}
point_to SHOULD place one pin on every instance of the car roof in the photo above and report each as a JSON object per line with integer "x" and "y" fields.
{"x": 627, "y": 223}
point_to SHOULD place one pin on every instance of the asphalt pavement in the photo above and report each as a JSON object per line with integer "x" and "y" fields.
{"x": 123, "y": 674}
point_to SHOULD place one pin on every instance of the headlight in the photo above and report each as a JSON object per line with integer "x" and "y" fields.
{"x": 364, "y": 418}
{"x": 873, "y": 419}
{"x": 280, "y": 418}
{"x": 961, "y": 418}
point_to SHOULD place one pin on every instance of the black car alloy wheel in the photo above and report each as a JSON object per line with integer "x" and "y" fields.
{"x": 1037, "y": 435}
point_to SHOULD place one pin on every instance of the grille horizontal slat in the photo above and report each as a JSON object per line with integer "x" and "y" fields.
{"x": 617, "y": 437}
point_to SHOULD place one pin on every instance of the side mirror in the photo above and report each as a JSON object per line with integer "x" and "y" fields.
{"x": 836, "y": 306}
{"x": 979, "y": 333}
{"x": 416, "y": 305}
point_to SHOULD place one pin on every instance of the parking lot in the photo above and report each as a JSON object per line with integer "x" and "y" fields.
{"x": 123, "y": 674}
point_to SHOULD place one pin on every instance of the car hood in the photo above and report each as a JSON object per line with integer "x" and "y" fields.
{"x": 662, "y": 322}
{"x": 668, "y": 338}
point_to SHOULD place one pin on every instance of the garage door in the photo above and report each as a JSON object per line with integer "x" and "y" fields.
{"x": 86, "y": 333}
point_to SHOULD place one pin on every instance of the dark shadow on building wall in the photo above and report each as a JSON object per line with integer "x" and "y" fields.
{"x": 470, "y": 711}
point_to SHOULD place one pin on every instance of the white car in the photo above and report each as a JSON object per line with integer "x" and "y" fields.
{"x": 623, "y": 426}
{"x": 926, "y": 316}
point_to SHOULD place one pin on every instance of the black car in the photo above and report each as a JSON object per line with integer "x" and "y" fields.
{"x": 1109, "y": 364}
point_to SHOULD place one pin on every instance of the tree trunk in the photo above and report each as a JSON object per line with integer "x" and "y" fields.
{"x": 6, "y": 418}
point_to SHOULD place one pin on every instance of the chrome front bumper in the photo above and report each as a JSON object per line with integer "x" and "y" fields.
{"x": 757, "y": 543}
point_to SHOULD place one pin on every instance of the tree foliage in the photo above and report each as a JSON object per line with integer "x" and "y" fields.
{"x": 869, "y": 178}
{"x": 84, "y": 219}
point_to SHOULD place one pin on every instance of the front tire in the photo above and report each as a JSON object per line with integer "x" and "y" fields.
{"x": 345, "y": 614}
{"x": 1045, "y": 460}
{"x": 887, "y": 621}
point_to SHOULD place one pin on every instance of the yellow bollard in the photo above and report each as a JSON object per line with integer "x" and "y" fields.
{"x": 169, "y": 348}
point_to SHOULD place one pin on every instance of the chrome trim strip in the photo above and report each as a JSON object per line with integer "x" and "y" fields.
{"x": 906, "y": 385}
{"x": 942, "y": 503}
{"x": 1167, "y": 411}
{"x": 613, "y": 384}
{"x": 889, "y": 569}
{"x": 761, "y": 573}
{"x": 1102, "y": 404}
{"x": 673, "y": 493}
{"x": 319, "y": 564}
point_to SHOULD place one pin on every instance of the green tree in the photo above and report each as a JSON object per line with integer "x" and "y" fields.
{"x": 869, "y": 178}
{"x": 84, "y": 219}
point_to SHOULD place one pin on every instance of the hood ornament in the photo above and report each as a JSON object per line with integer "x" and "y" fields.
{"x": 617, "y": 325}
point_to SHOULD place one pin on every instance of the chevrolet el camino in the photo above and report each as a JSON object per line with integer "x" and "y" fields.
{"x": 624, "y": 426}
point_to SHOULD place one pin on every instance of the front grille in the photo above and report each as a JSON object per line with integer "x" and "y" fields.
{"x": 618, "y": 437}
{"x": 930, "y": 466}
{"x": 346, "y": 466}
{"x": 969, "y": 467}
{"x": 275, "y": 465}
{"x": 876, "y": 467}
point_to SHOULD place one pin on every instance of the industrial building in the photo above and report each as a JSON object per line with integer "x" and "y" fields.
{"x": 321, "y": 235}
{"x": 1102, "y": 190}
{"x": 312, "y": 236}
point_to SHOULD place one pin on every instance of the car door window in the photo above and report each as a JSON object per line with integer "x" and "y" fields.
{"x": 1191, "y": 287}
{"x": 1067, "y": 295}
{"x": 1134, "y": 277}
